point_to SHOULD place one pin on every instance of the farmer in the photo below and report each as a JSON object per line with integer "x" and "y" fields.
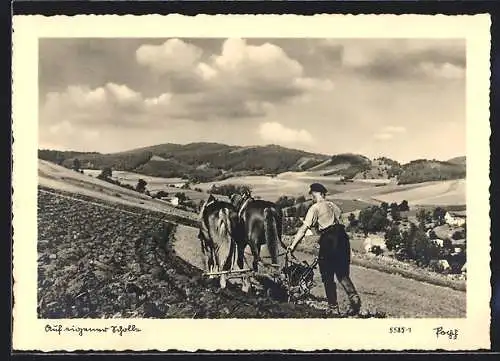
{"x": 334, "y": 251}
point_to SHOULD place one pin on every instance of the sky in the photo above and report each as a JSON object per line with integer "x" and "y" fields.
{"x": 399, "y": 98}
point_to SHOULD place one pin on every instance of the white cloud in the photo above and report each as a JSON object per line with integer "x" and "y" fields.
{"x": 112, "y": 104}
{"x": 247, "y": 79}
{"x": 174, "y": 55}
{"x": 402, "y": 58}
{"x": 445, "y": 70}
{"x": 277, "y": 133}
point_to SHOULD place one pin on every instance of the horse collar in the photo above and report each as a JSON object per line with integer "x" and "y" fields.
{"x": 243, "y": 207}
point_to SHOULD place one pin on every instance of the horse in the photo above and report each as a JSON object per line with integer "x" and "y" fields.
{"x": 221, "y": 236}
{"x": 262, "y": 224}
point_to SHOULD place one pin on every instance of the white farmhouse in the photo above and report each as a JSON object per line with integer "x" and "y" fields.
{"x": 172, "y": 200}
{"x": 374, "y": 240}
{"x": 455, "y": 218}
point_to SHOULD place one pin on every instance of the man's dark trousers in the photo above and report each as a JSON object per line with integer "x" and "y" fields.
{"x": 334, "y": 260}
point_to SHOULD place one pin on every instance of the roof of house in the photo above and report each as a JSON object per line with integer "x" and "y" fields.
{"x": 458, "y": 213}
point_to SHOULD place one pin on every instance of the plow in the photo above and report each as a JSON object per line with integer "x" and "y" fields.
{"x": 291, "y": 282}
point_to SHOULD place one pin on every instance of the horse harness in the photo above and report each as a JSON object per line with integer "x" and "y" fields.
{"x": 243, "y": 207}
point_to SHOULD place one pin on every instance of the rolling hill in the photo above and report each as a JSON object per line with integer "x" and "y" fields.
{"x": 204, "y": 162}
{"x": 346, "y": 165}
{"x": 458, "y": 160}
{"x": 194, "y": 161}
{"x": 423, "y": 170}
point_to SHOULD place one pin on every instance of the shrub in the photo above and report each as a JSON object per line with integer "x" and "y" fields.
{"x": 300, "y": 199}
{"x": 181, "y": 196}
{"x": 438, "y": 215}
{"x": 161, "y": 194}
{"x": 76, "y": 165}
{"x": 458, "y": 235}
{"x": 393, "y": 239}
{"x": 403, "y": 206}
{"x": 285, "y": 202}
{"x": 424, "y": 216}
{"x": 373, "y": 219}
{"x": 190, "y": 204}
{"x": 106, "y": 173}
{"x": 417, "y": 246}
{"x": 291, "y": 225}
{"x": 141, "y": 185}
{"x": 377, "y": 250}
{"x": 395, "y": 214}
{"x": 228, "y": 189}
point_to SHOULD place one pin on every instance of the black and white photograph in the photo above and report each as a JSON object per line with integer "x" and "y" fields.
{"x": 253, "y": 177}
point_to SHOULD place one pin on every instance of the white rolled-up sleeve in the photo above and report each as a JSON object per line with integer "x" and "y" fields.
{"x": 311, "y": 217}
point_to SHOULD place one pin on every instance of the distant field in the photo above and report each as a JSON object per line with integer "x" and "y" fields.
{"x": 350, "y": 195}
{"x": 289, "y": 184}
{"x": 154, "y": 183}
{"x": 441, "y": 193}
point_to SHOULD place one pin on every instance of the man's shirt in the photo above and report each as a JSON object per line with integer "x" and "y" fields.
{"x": 322, "y": 215}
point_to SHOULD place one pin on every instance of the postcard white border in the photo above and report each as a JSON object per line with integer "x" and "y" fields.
{"x": 309, "y": 335}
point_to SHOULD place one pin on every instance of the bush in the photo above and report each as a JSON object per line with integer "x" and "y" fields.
{"x": 395, "y": 214}
{"x": 190, "y": 205}
{"x": 373, "y": 219}
{"x": 458, "y": 235}
{"x": 141, "y": 186}
{"x": 291, "y": 225}
{"x": 76, "y": 165}
{"x": 181, "y": 196}
{"x": 228, "y": 189}
{"x": 438, "y": 215}
{"x": 393, "y": 239}
{"x": 424, "y": 216}
{"x": 300, "y": 199}
{"x": 106, "y": 173}
{"x": 417, "y": 246}
{"x": 285, "y": 202}
{"x": 161, "y": 194}
{"x": 403, "y": 206}
{"x": 376, "y": 250}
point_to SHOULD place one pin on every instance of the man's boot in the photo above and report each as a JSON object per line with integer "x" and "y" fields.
{"x": 352, "y": 294}
{"x": 355, "y": 304}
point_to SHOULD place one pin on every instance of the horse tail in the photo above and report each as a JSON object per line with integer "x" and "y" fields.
{"x": 271, "y": 233}
{"x": 226, "y": 241}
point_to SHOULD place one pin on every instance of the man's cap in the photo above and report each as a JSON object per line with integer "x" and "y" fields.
{"x": 317, "y": 187}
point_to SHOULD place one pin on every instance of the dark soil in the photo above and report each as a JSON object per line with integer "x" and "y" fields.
{"x": 102, "y": 262}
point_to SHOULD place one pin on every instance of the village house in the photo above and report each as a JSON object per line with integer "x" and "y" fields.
{"x": 455, "y": 218}
{"x": 374, "y": 240}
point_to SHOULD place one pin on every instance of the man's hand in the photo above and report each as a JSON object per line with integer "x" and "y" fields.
{"x": 290, "y": 248}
